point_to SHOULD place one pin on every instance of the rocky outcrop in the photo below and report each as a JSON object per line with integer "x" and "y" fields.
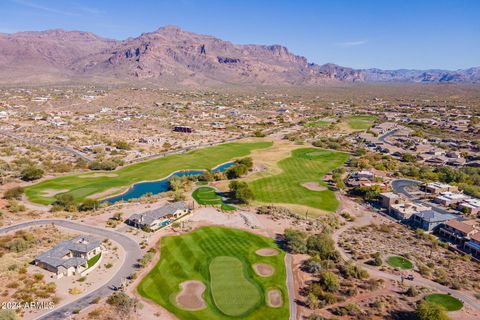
{"x": 172, "y": 56}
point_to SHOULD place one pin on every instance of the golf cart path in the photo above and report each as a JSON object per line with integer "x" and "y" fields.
{"x": 132, "y": 254}
{"x": 367, "y": 218}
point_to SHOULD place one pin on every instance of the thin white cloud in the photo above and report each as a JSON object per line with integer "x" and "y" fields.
{"x": 348, "y": 44}
{"x": 44, "y": 8}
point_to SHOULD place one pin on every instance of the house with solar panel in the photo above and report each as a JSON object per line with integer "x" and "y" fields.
{"x": 159, "y": 218}
{"x": 70, "y": 257}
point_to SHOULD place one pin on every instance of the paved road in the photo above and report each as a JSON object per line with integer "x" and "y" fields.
{"x": 132, "y": 254}
{"x": 36, "y": 142}
{"x": 291, "y": 287}
{"x": 386, "y": 135}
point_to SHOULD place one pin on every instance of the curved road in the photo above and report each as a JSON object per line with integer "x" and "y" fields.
{"x": 132, "y": 254}
{"x": 400, "y": 185}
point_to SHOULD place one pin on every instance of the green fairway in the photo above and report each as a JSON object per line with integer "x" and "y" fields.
{"x": 400, "y": 262}
{"x": 83, "y": 185}
{"x": 207, "y": 196}
{"x": 447, "y": 301}
{"x": 319, "y": 123}
{"x": 232, "y": 300}
{"x": 222, "y": 259}
{"x": 360, "y": 122}
{"x": 303, "y": 166}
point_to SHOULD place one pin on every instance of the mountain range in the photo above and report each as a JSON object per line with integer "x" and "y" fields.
{"x": 172, "y": 56}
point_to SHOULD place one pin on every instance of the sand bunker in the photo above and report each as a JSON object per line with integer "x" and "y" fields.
{"x": 263, "y": 269}
{"x": 274, "y": 298}
{"x": 190, "y": 297}
{"x": 106, "y": 193}
{"x": 267, "y": 252}
{"x": 96, "y": 175}
{"x": 314, "y": 186}
{"x": 53, "y": 192}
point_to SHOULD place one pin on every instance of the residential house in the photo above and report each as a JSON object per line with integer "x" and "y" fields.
{"x": 473, "y": 245}
{"x": 159, "y": 218}
{"x": 390, "y": 198}
{"x": 448, "y": 198}
{"x": 437, "y": 187}
{"x": 70, "y": 257}
{"x": 430, "y": 220}
{"x": 404, "y": 211}
{"x": 459, "y": 231}
{"x": 470, "y": 206}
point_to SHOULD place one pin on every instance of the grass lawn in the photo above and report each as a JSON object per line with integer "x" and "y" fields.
{"x": 447, "y": 301}
{"x": 85, "y": 185}
{"x": 304, "y": 165}
{"x": 93, "y": 260}
{"x": 400, "y": 262}
{"x": 319, "y": 123}
{"x": 207, "y": 196}
{"x": 360, "y": 122}
{"x": 232, "y": 300}
{"x": 222, "y": 259}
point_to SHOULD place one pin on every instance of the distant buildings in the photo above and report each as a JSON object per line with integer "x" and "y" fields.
{"x": 185, "y": 129}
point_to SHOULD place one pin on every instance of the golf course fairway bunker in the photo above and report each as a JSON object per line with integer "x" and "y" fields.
{"x": 263, "y": 269}
{"x": 232, "y": 292}
{"x": 191, "y": 295}
{"x": 267, "y": 252}
{"x": 274, "y": 298}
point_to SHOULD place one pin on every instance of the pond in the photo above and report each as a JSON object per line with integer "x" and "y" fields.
{"x": 155, "y": 187}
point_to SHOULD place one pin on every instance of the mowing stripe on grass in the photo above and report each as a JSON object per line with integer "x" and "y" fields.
{"x": 232, "y": 300}
{"x": 81, "y": 187}
{"x": 304, "y": 165}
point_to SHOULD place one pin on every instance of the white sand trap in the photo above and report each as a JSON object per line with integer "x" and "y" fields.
{"x": 99, "y": 174}
{"x": 263, "y": 269}
{"x": 190, "y": 297}
{"x": 274, "y": 298}
{"x": 314, "y": 186}
{"x": 53, "y": 192}
{"x": 267, "y": 252}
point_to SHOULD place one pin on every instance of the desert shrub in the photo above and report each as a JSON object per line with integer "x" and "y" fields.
{"x": 13, "y": 193}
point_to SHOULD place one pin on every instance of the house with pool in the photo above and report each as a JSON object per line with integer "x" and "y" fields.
{"x": 71, "y": 257}
{"x": 159, "y": 218}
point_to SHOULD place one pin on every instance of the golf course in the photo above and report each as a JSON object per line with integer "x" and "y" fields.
{"x": 209, "y": 196}
{"x": 447, "y": 301}
{"x": 102, "y": 184}
{"x": 400, "y": 262}
{"x": 300, "y": 181}
{"x": 360, "y": 122}
{"x": 209, "y": 273}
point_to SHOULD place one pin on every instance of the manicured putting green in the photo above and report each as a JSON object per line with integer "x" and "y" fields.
{"x": 85, "y": 185}
{"x": 400, "y": 262}
{"x": 304, "y": 165}
{"x": 447, "y": 301}
{"x": 360, "y": 122}
{"x": 232, "y": 300}
{"x": 207, "y": 196}
{"x": 222, "y": 259}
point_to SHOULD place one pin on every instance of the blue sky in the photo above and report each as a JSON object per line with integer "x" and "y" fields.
{"x": 387, "y": 34}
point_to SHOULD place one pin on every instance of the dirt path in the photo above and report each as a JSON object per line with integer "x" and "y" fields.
{"x": 365, "y": 217}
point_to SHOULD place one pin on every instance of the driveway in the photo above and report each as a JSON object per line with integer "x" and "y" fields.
{"x": 400, "y": 186}
{"x": 132, "y": 254}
